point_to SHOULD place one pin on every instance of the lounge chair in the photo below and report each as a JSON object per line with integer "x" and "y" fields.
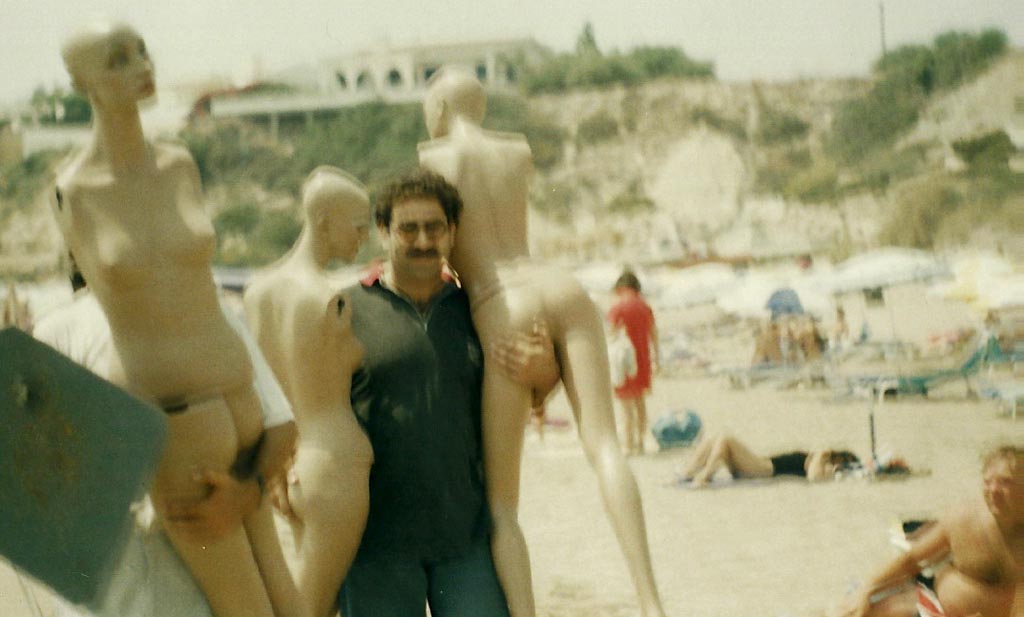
{"x": 920, "y": 384}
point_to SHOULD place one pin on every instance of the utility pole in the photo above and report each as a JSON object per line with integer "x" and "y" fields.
{"x": 881, "y": 24}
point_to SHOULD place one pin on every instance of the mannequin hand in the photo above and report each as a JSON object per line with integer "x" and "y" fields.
{"x": 227, "y": 503}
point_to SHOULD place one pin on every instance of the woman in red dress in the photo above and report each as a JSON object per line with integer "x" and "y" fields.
{"x": 633, "y": 314}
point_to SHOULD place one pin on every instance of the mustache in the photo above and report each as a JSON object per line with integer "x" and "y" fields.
{"x": 422, "y": 253}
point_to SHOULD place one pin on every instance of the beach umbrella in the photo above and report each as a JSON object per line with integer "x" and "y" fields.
{"x": 691, "y": 286}
{"x": 784, "y": 301}
{"x": 983, "y": 282}
{"x": 886, "y": 267}
{"x": 598, "y": 277}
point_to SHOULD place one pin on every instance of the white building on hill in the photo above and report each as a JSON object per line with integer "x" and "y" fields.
{"x": 383, "y": 73}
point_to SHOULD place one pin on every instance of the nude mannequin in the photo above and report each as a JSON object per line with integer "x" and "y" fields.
{"x": 132, "y": 213}
{"x": 303, "y": 326}
{"x": 509, "y": 293}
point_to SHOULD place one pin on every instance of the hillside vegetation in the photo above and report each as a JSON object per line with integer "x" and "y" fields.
{"x": 616, "y": 138}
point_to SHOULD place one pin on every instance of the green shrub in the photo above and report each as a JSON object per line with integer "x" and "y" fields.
{"x": 987, "y": 152}
{"x": 21, "y": 182}
{"x": 777, "y": 126}
{"x": 778, "y": 168}
{"x": 596, "y": 128}
{"x": 720, "y": 123}
{"x": 867, "y": 124}
{"x": 918, "y": 213}
{"x": 589, "y": 68}
{"x": 249, "y": 235}
{"x": 513, "y": 114}
{"x": 815, "y": 184}
{"x": 656, "y": 62}
{"x": 904, "y": 79}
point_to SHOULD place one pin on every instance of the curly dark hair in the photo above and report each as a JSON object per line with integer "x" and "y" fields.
{"x": 418, "y": 183}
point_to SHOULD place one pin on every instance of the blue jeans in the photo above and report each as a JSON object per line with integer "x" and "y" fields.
{"x": 396, "y": 586}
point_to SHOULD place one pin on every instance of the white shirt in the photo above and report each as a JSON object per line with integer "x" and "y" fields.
{"x": 81, "y": 332}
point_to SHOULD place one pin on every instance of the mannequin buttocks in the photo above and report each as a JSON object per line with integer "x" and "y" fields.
{"x": 303, "y": 325}
{"x": 508, "y": 293}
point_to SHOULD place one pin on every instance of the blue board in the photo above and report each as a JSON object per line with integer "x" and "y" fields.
{"x": 75, "y": 452}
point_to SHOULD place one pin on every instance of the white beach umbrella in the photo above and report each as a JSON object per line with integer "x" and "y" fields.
{"x": 885, "y": 267}
{"x": 680, "y": 288}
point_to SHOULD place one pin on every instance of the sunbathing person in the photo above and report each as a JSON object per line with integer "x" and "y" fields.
{"x": 723, "y": 450}
{"x": 976, "y": 550}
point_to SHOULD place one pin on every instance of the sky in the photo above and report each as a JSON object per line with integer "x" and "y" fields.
{"x": 745, "y": 39}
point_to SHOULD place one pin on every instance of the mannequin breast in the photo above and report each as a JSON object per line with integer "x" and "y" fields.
{"x": 144, "y": 244}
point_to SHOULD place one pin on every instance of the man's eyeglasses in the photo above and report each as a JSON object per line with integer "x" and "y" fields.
{"x": 433, "y": 229}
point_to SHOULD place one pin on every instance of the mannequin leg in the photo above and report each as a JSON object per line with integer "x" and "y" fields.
{"x": 581, "y": 348}
{"x": 227, "y": 573}
{"x": 273, "y": 568}
{"x": 505, "y": 409}
{"x": 332, "y": 501}
{"x": 259, "y": 526}
{"x": 204, "y": 436}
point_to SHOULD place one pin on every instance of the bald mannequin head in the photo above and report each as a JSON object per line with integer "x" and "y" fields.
{"x": 452, "y": 92}
{"x": 88, "y": 50}
{"x": 336, "y": 208}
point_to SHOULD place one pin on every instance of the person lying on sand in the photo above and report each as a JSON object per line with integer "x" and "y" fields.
{"x": 724, "y": 450}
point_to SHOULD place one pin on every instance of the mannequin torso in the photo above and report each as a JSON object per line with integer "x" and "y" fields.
{"x": 142, "y": 238}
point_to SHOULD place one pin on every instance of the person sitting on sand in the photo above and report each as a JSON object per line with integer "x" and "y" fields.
{"x": 768, "y": 345}
{"x": 724, "y": 450}
{"x": 979, "y": 544}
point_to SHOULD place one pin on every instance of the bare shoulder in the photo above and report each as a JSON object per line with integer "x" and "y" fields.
{"x": 434, "y": 145}
{"x": 511, "y": 139}
{"x": 262, "y": 285}
{"x": 172, "y": 154}
{"x": 74, "y": 172}
{"x": 964, "y": 516}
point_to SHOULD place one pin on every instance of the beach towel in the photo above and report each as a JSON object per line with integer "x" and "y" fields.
{"x": 927, "y": 603}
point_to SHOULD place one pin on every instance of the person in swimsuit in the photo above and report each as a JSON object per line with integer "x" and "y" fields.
{"x": 510, "y": 292}
{"x": 131, "y": 211}
{"x": 976, "y": 550}
{"x": 716, "y": 451}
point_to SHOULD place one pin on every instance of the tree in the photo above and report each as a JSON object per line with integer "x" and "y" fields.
{"x": 586, "y": 43}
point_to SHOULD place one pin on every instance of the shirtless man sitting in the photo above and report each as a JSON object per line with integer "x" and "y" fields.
{"x": 979, "y": 543}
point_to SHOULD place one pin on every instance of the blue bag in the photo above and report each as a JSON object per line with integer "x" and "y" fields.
{"x": 676, "y": 428}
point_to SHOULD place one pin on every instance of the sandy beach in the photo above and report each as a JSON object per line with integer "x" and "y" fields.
{"x": 783, "y": 549}
{"x": 780, "y": 549}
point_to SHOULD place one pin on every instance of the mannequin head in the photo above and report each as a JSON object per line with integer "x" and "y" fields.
{"x": 109, "y": 63}
{"x": 452, "y": 92}
{"x": 337, "y": 211}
